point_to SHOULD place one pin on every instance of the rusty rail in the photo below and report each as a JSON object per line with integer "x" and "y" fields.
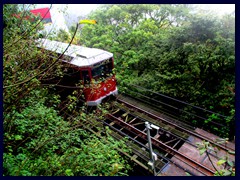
{"x": 174, "y": 125}
{"x": 199, "y": 167}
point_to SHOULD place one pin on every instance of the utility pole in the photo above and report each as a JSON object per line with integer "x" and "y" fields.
{"x": 153, "y": 156}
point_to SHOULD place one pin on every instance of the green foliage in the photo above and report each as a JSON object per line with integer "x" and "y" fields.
{"x": 161, "y": 47}
{"x": 62, "y": 36}
{"x": 37, "y": 140}
{"x": 165, "y": 48}
{"x": 227, "y": 164}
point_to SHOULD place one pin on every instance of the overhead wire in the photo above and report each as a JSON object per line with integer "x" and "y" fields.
{"x": 213, "y": 122}
{"x": 179, "y": 101}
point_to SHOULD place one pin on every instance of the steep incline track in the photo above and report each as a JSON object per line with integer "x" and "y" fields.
{"x": 168, "y": 141}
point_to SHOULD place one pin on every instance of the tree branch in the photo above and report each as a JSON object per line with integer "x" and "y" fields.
{"x": 27, "y": 80}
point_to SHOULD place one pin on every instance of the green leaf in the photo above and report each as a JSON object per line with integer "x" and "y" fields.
{"x": 18, "y": 137}
{"x": 199, "y": 143}
{"x": 68, "y": 172}
{"x": 210, "y": 148}
{"x": 201, "y": 151}
{"x": 230, "y": 163}
{"x": 231, "y": 152}
{"x": 227, "y": 173}
{"x": 220, "y": 162}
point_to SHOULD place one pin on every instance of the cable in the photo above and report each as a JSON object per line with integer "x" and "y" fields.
{"x": 213, "y": 122}
{"x": 179, "y": 101}
{"x": 70, "y": 87}
{"x": 174, "y": 118}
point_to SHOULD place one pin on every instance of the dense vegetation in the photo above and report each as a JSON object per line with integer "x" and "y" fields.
{"x": 164, "y": 48}
{"x": 170, "y": 50}
{"x": 40, "y": 139}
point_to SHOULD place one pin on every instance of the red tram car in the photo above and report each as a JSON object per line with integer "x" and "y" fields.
{"x": 93, "y": 66}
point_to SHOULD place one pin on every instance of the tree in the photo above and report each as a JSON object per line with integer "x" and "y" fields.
{"x": 165, "y": 48}
{"x": 39, "y": 138}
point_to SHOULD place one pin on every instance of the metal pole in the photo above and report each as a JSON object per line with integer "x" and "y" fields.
{"x": 151, "y": 162}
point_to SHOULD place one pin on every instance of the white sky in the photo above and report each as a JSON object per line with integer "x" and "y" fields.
{"x": 218, "y": 8}
{"x": 78, "y": 9}
{"x": 82, "y": 9}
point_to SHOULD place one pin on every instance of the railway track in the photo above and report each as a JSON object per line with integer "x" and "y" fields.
{"x": 175, "y": 125}
{"x": 128, "y": 120}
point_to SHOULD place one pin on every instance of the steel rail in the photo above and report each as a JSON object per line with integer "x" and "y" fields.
{"x": 174, "y": 135}
{"x": 136, "y": 141}
{"x": 141, "y": 144}
{"x": 162, "y": 110}
{"x": 158, "y": 143}
{"x": 202, "y": 118}
{"x": 175, "y": 125}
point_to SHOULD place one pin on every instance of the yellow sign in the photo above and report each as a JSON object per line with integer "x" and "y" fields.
{"x": 86, "y": 21}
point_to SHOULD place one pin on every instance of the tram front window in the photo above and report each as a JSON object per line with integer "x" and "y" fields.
{"x": 103, "y": 70}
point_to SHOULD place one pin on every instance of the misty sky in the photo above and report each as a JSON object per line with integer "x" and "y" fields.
{"x": 83, "y": 9}
{"x": 75, "y": 10}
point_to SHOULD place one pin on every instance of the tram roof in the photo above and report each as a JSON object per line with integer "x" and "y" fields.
{"x": 80, "y": 56}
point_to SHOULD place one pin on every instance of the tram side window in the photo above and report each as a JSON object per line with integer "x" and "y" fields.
{"x": 85, "y": 76}
{"x": 71, "y": 76}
